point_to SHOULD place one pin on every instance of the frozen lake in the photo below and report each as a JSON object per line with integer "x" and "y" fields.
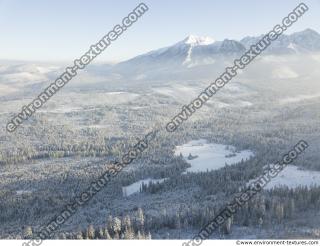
{"x": 135, "y": 187}
{"x": 293, "y": 177}
{"x": 205, "y": 156}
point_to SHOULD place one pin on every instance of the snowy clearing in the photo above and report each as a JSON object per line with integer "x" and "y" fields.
{"x": 135, "y": 187}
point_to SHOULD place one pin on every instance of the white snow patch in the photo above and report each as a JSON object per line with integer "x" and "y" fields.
{"x": 179, "y": 92}
{"x": 5, "y": 90}
{"x": 188, "y": 58}
{"x": 284, "y": 73}
{"x": 293, "y": 47}
{"x": 298, "y": 98}
{"x": 196, "y": 40}
{"x": 245, "y": 104}
{"x": 21, "y": 192}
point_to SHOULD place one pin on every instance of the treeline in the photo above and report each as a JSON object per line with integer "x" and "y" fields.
{"x": 126, "y": 227}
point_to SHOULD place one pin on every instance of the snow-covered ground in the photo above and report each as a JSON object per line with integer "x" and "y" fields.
{"x": 68, "y": 102}
{"x": 179, "y": 92}
{"x": 292, "y": 177}
{"x": 210, "y": 156}
{"x": 21, "y": 192}
{"x": 135, "y": 187}
{"x": 298, "y": 98}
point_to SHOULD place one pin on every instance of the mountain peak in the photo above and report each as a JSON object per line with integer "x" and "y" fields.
{"x": 306, "y": 32}
{"x": 309, "y": 30}
{"x": 196, "y": 40}
{"x": 197, "y": 51}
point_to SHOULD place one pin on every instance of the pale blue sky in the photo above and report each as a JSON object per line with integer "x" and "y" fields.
{"x": 61, "y": 30}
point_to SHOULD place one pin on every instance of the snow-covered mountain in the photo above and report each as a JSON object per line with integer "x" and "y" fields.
{"x": 189, "y": 52}
{"x": 196, "y": 51}
{"x": 299, "y": 42}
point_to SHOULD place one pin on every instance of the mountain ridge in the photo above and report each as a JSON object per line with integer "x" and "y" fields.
{"x": 197, "y": 50}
